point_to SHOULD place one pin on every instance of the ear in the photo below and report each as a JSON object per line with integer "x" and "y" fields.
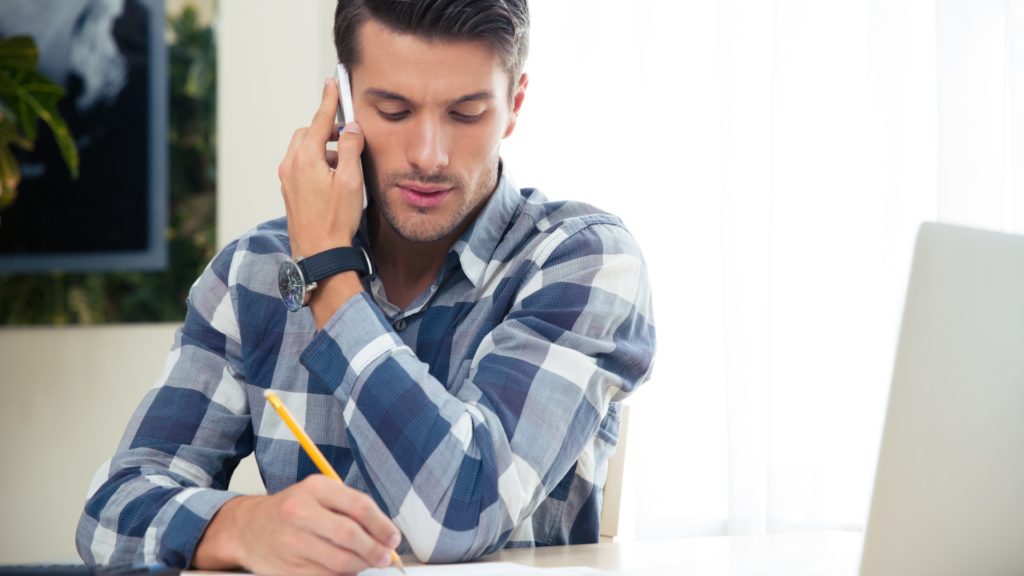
{"x": 517, "y": 104}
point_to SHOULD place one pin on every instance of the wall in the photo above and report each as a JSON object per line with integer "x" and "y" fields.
{"x": 273, "y": 58}
{"x": 67, "y": 393}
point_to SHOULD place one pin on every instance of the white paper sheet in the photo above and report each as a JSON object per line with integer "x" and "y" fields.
{"x": 471, "y": 569}
{"x": 483, "y": 569}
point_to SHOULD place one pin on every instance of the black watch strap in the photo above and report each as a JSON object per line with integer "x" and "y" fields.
{"x": 334, "y": 261}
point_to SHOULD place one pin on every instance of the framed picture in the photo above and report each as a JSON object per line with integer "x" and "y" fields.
{"x": 111, "y": 57}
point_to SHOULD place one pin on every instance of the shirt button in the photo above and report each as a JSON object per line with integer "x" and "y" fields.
{"x": 399, "y": 324}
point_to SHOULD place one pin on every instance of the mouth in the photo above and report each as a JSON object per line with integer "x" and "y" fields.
{"x": 423, "y": 195}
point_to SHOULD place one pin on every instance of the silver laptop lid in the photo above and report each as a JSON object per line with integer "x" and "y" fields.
{"x": 949, "y": 488}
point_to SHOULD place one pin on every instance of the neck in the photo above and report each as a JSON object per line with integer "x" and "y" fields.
{"x": 407, "y": 268}
{"x": 402, "y": 261}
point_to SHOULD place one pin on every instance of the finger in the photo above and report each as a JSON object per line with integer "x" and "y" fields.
{"x": 336, "y": 132}
{"x": 334, "y": 560}
{"x": 350, "y": 146}
{"x": 363, "y": 510}
{"x": 323, "y": 121}
{"x": 344, "y": 532}
{"x": 285, "y": 167}
{"x": 332, "y": 159}
{"x": 294, "y": 142}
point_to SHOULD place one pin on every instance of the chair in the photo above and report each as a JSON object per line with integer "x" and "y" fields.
{"x": 613, "y": 483}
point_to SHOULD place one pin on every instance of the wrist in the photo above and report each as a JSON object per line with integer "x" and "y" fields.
{"x": 310, "y": 248}
{"x": 308, "y": 279}
{"x": 332, "y": 294}
{"x": 222, "y": 544}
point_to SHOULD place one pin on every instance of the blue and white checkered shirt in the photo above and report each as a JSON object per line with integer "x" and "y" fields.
{"x": 480, "y": 417}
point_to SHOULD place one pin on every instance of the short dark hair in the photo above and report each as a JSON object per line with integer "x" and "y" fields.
{"x": 504, "y": 25}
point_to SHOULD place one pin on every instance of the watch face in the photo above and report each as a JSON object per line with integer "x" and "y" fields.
{"x": 291, "y": 285}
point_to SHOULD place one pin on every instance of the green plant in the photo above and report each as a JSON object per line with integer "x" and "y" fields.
{"x": 26, "y": 97}
{"x": 59, "y": 298}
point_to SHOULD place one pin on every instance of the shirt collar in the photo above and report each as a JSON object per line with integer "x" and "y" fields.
{"x": 478, "y": 243}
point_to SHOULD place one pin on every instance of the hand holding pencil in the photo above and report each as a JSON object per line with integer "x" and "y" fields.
{"x": 314, "y": 453}
{"x": 315, "y": 526}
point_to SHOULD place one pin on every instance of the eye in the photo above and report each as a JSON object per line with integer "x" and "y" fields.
{"x": 393, "y": 116}
{"x": 466, "y": 118}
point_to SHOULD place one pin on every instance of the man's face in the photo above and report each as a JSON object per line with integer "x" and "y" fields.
{"x": 434, "y": 115}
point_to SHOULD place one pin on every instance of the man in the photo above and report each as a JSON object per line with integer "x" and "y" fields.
{"x": 467, "y": 389}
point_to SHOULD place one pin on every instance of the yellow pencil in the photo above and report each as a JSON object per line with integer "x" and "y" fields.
{"x": 314, "y": 452}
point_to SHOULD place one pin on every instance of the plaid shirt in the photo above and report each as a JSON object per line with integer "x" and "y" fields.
{"x": 481, "y": 416}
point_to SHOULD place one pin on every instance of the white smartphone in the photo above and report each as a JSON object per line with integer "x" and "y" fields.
{"x": 346, "y": 109}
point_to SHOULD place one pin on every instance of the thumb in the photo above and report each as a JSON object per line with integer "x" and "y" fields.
{"x": 350, "y": 147}
{"x": 350, "y": 142}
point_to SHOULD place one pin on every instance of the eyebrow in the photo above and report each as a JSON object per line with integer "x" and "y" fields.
{"x": 386, "y": 95}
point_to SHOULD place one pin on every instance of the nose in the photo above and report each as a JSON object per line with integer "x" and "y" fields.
{"x": 428, "y": 148}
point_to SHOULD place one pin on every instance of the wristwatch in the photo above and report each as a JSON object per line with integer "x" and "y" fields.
{"x": 296, "y": 279}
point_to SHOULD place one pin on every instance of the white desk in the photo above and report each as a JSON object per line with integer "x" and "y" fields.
{"x": 805, "y": 554}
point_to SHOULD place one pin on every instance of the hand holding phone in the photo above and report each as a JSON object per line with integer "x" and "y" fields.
{"x": 323, "y": 189}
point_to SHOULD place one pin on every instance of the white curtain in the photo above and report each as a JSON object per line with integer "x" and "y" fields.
{"x": 774, "y": 159}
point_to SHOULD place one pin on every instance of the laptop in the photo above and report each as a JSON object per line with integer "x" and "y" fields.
{"x": 949, "y": 488}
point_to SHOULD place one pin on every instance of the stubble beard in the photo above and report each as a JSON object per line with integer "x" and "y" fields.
{"x": 421, "y": 225}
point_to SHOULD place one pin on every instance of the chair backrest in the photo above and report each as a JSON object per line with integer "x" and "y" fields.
{"x": 613, "y": 484}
